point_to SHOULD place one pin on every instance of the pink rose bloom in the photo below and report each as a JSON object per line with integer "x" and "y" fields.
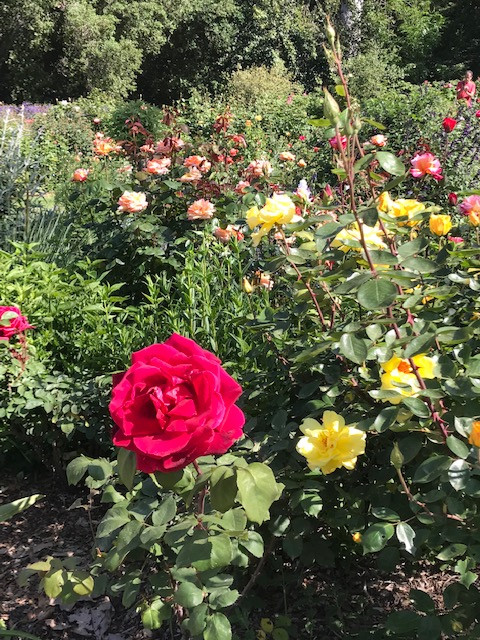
{"x": 169, "y": 145}
{"x": 201, "y": 210}
{"x": 12, "y": 322}
{"x": 80, "y": 175}
{"x": 302, "y": 138}
{"x": 175, "y": 404}
{"x": 132, "y": 202}
{"x": 477, "y": 113}
{"x": 379, "y": 140}
{"x": 241, "y": 187}
{"x": 193, "y": 175}
{"x": 96, "y": 121}
{"x": 333, "y": 142}
{"x": 426, "y": 164}
{"x": 158, "y": 166}
{"x": 469, "y": 204}
{"x": 258, "y": 168}
{"x": 286, "y": 156}
{"x": 456, "y": 239}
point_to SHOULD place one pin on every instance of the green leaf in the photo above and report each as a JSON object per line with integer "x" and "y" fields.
{"x": 421, "y": 265}
{"x": 422, "y": 601}
{"x": 417, "y": 407}
{"x": 165, "y": 512}
{"x": 459, "y": 474}
{"x": 223, "y": 489}
{"x": 320, "y": 122}
{"x": 377, "y": 293}
{"x": 197, "y": 620}
{"x": 188, "y": 595}
{"x": 375, "y": 124}
{"x": 390, "y": 163}
{"x": 353, "y": 348}
{"x": 53, "y": 583}
{"x": 385, "y": 419}
{"x": 430, "y": 627}
{"x": 406, "y": 536}
{"x": 431, "y": 469}
{"x": 254, "y": 544}
{"x": 452, "y": 551}
{"x": 154, "y": 615}
{"x": 257, "y": 489}
{"x": 5, "y": 633}
{"x": 217, "y": 628}
{"x": 403, "y": 622}
{"x": 421, "y": 344}
{"x": 126, "y": 466}
{"x": 458, "y": 447}
{"x": 280, "y": 634}
{"x": 76, "y": 469}
{"x": 17, "y": 506}
{"x": 377, "y": 536}
{"x": 384, "y": 513}
{"x": 83, "y": 583}
{"x": 221, "y": 598}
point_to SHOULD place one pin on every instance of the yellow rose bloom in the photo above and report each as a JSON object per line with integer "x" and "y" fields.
{"x": 400, "y": 377}
{"x": 279, "y": 209}
{"x": 474, "y": 437}
{"x": 374, "y": 238}
{"x": 357, "y": 537}
{"x": 440, "y": 224}
{"x": 330, "y": 445}
{"x": 401, "y": 208}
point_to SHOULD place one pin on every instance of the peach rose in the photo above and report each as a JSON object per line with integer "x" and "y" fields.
{"x": 286, "y": 156}
{"x": 132, "y": 202}
{"x": 158, "y": 166}
{"x": 379, "y": 140}
{"x": 258, "y": 168}
{"x": 105, "y": 146}
{"x": 223, "y": 235}
{"x": 241, "y": 187}
{"x": 193, "y": 175}
{"x": 200, "y": 210}
{"x": 80, "y": 175}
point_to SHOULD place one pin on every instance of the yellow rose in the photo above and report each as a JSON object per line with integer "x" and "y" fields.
{"x": 247, "y": 286}
{"x": 401, "y": 208}
{"x": 400, "y": 377}
{"x": 474, "y": 437}
{"x": 279, "y": 209}
{"x": 374, "y": 238}
{"x": 357, "y": 537}
{"x": 330, "y": 445}
{"x": 440, "y": 224}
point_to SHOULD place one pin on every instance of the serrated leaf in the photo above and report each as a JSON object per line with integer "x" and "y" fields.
{"x": 126, "y": 466}
{"x": 377, "y": 293}
{"x": 353, "y": 348}
{"x": 257, "y": 489}
{"x": 406, "y": 535}
{"x": 390, "y": 163}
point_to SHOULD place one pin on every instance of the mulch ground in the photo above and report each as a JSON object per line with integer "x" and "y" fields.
{"x": 338, "y": 600}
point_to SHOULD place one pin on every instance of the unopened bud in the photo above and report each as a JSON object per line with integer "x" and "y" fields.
{"x": 331, "y": 110}
{"x": 330, "y": 33}
{"x": 396, "y": 457}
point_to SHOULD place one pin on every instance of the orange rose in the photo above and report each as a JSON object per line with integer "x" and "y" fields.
{"x": 223, "y": 235}
{"x": 474, "y": 437}
{"x": 200, "y": 210}
{"x": 105, "y": 146}
{"x": 474, "y": 218}
{"x": 132, "y": 202}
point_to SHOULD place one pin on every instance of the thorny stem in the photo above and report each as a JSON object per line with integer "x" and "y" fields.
{"x": 256, "y": 573}
{"x": 312, "y": 293}
{"x": 410, "y": 496}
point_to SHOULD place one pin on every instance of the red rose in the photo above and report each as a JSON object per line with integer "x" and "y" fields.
{"x": 175, "y": 404}
{"x": 12, "y": 322}
{"x": 452, "y": 198}
{"x": 333, "y": 142}
{"x": 449, "y": 124}
{"x": 477, "y": 114}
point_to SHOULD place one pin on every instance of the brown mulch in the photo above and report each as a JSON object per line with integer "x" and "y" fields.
{"x": 357, "y": 596}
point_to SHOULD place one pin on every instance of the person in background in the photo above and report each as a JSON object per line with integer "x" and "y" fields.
{"x": 466, "y": 88}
